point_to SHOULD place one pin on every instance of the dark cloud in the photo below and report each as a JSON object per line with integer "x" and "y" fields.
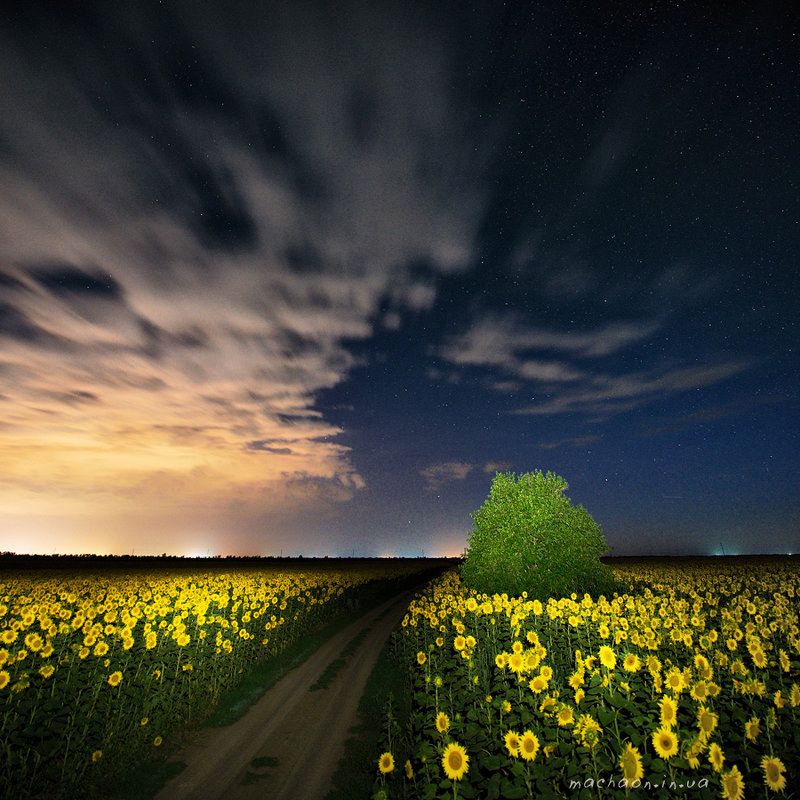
{"x": 15, "y": 324}
{"x": 265, "y": 447}
{"x": 76, "y": 397}
{"x": 65, "y": 280}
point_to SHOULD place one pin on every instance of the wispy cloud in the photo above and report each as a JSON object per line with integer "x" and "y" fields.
{"x": 437, "y": 476}
{"x": 563, "y": 372}
{"x": 572, "y": 441}
{"x": 490, "y": 467}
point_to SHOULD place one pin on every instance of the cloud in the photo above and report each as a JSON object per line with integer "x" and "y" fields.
{"x": 710, "y": 415}
{"x": 200, "y": 210}
{"x": 572, "y": 441}
{"x": 503, "y": 341}
{"x": 490, "y": 467}
{"x": 437, "y": 476}
{"x": 604, "y": 395}
{"x": 573, "y": 378}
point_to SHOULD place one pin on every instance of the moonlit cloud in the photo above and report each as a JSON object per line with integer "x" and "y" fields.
{"x": 437, "y": 476}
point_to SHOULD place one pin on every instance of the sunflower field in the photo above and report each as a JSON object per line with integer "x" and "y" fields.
{"x": 98, "y": 670}
{"x": 683, "y": 684}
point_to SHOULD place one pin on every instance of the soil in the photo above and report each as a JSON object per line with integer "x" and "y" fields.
{"x": 289, "y": 743}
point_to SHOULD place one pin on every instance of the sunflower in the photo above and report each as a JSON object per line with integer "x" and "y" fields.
{"x": 631, "y": 764}
{"x": 96, "y": 756}
{"x": 733, "y": 784}
{"x": 576, "y": 679}
{"x": 716, "y": 757}
{"x": 752, "y": 729}
{"x": 157, "y": 741}
{"x": 409, "y": 769}
{"x": 699, "y": 691}
{"x": 421, "y": 658}
{"x": 693, "y": 751}
{"x": 565, "y": 716}
{"x": 516, "y": 662}
{"x": 511, "y": 741}
{"x": 548, "y": 705}
{"x": 759, "y": 659}
{"x": 668, "y": 711}
{"x": 786, "y": 664}
{"x": 442, "y": 722}
{"x": 794, "y": 695}
{"x": 4, "y": 679}
{"x": 607, "y": 657}
{"x": 773, "y": 773}
{"x": 665, "y": 742}
{"x": 707, "y": 721}
{"x": 386, "y": 763}
{"x": 702, "y": 666}
{"x": 529, "y": 746}
{"x": 674, "y": 681}
{"x": 114, "y": 678}
{"x": 631, "y": 663}
{"x": 538, "y": 684}
{"x": 455, "y": 761}
{"x": 500, "y": 660}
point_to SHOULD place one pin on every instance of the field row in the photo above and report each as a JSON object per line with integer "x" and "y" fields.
{"x": 684, "y": 684}
{"x": 97, "y": 671}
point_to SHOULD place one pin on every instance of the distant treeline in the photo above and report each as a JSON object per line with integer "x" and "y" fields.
{"x": 702, "y": 559}
{"x": 11, "y": 561}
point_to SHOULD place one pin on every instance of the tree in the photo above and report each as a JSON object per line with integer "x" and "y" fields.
{"x": 528, "y": 537}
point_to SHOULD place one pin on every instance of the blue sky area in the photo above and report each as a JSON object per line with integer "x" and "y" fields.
{"x": 301, "y": 277}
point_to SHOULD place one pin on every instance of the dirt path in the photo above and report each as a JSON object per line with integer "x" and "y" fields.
{"x": 288, "y": 744}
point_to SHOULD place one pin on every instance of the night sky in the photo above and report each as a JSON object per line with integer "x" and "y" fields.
{"x": 299, "y": 278}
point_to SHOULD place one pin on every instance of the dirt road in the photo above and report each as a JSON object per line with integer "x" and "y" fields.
{"x": 289, "y": 743}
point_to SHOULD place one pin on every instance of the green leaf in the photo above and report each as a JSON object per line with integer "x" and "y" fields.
{"x": 512, "y": 791}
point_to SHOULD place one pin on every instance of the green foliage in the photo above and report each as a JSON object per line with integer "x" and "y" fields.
{"x": 528, "y": 536}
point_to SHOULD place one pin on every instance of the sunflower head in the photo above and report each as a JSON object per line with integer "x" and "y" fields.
{"x": 631, "y": 763}
{"x": 511, "y": 741}
{"x": 665, "y": 742}
{"x": 528, "y": 746}
{"x": 455, "y": 761}
{"x": 386, "y": 763}
{"x": 773, "y": 773}
{"x": 733, "y": 784}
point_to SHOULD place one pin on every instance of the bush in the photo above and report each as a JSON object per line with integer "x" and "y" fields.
{"x": 529, "y": 537}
